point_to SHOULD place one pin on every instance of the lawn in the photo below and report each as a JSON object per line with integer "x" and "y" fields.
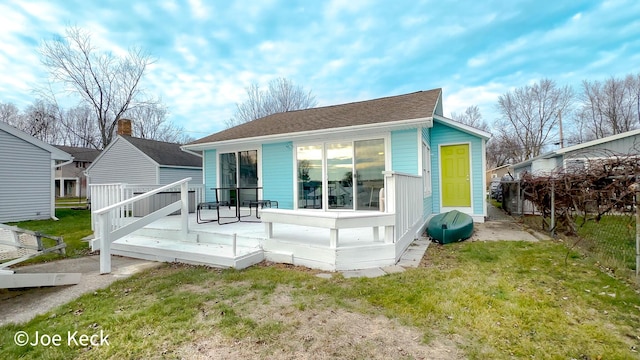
{"x": 73, "y": 225}
{"x": 611, "y": 241}
{"x": 493, "y": 300}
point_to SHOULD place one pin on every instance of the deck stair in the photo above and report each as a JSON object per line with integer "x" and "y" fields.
{"x": 219, "y": 250}
{"x": 18, "y": 245}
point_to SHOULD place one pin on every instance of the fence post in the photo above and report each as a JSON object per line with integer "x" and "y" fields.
{"x": 104, "y": 226}
{"x": 184, "y": 211}
{"x": 552, "y": 226}
{"x": 636, "y": 187}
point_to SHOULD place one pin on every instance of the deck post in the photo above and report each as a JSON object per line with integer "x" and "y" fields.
{"x": 184, "y": 211}
{"x": 104, "y": 226}
{"x": 333, "y": 238}
{"x": 389, "y": 234}
{"x": 268, "y": 229}
{"x": 235, "y": 242}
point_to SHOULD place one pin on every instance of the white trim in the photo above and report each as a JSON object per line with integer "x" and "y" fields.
{"x": 346, "y": 132}
{"x": 463, "y": 127}
{"x": 195, "y": 153}
{"x": 180, "y": 167}
{"x": 426, "y": 165}
{"x": 483, "y": 146}
{"x": 467, "y": 210}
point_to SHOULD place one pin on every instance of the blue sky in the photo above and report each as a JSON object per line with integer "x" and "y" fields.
{"x": 208, "y": 52}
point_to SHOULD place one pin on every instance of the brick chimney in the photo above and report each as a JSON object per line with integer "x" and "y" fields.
{"x": 124, "y": 127}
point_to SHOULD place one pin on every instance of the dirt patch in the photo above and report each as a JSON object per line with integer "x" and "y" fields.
{"x": 320, "y": 334}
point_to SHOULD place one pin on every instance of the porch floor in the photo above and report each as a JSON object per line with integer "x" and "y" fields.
{"x": 252, "y": 228}
{"x": 212, "y": 244}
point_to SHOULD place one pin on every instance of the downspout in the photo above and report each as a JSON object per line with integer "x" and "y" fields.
{"x": 53, "y": 187}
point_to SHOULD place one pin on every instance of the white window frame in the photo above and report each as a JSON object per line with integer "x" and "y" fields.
{"x": 426, "y": 169}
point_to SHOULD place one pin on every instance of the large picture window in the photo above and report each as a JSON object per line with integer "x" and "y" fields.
{"x": 343, "y": 175}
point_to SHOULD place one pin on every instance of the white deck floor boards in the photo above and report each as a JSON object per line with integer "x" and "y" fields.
{"x": 211, "y": 243}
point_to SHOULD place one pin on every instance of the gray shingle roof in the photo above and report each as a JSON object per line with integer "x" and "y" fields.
{"x": 415, "y": 105}
{"x": 80, "y": 153}
{"x": 164, "y": 153}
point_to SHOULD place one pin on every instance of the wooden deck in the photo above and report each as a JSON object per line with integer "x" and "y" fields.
{"x": 213, "y": 244}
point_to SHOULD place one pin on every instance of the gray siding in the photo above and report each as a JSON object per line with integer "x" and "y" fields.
{"x": 625, "y": 146}
{"x": 25, "y": 180}
{"x": 123, "y": 163}
{"x": 169, "y": 175}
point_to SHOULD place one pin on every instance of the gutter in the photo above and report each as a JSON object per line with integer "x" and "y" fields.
{"x": 191, "y": 152}
{"x": 63, "y": 164}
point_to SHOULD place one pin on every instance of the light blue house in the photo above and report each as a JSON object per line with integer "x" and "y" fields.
{"x": 389, "y": 163}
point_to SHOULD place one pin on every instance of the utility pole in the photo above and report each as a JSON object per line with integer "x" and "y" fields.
{"x": 561, "y": 137}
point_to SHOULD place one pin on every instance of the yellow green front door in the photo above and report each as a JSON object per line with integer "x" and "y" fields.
{"x": 456, "y": 180}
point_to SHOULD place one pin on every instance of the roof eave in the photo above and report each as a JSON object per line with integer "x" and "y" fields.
{"x": 389, "y": 125}
{"x": 465, "y": 128}
{"x": 598, "y": 141}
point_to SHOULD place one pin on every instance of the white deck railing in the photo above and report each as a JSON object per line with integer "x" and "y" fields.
{"x": 111, "y": 225}
{"x": 403, "y": 196}
{"x": 103, "y": 195}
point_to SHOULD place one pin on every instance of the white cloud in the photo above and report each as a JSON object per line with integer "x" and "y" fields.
{"x": 198, "y": 9}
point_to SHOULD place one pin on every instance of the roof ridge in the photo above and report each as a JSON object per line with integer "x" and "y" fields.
{"x": 360, "y": 101}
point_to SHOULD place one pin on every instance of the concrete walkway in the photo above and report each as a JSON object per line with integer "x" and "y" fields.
{"x": 21, "y": 305}
{"x": 500, "y": 226}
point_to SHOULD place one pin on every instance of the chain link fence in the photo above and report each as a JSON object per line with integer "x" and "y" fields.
{"x": 603, "y": 225}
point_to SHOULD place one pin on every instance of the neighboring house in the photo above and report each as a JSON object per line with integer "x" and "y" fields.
{"x": 333, "y": 158}
{"x": 27, "y": 172}
{"x": 133, "y": 160}
{"x": 578, "y": 156}
{"x": 71, "y": 179}
{"x": 497, "y": 173}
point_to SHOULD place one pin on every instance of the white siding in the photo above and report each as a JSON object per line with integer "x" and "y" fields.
{"x": 123, "y": 163}
{"x": 169, "y": 175}
{"x": 25, "y": 180}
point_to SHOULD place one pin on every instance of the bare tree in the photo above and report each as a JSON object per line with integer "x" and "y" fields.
{"x": 531, "y": 113}
{"x": 502, "y": 150}
{"x": 610, "y": 107}
{"x": 10, "y": 114}
{"x": 281, "y": 96}
{"x": 81, "y": 128}
{"x": 108, "y": 84}
{"x": 472, "y": 117}
{"x": 40, "y": 121}
{"x": 150, "y": 122}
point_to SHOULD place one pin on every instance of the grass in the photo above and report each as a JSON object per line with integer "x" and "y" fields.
{"x": 497, "y": 300}
{"x": 71, "y": 200}
{"x": 611, "y": 240}
{"x": 72, "y": 225}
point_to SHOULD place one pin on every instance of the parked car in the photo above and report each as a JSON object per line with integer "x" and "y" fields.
{"x": 495, "y": 190}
